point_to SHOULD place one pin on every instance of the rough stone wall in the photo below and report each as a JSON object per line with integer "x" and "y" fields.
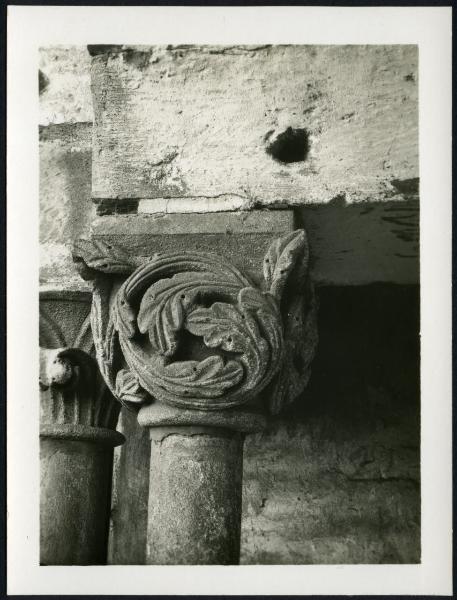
{"x": 337, "y": 478}
{"x": 65, "y": 142}
{"x": 337, "y": 481}
{"x": 316, "y": 121}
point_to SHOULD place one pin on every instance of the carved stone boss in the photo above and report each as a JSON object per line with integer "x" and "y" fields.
{"x": 201, "y": 352}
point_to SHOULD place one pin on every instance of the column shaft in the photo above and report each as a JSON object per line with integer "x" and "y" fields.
{"x": 194, "y": 514}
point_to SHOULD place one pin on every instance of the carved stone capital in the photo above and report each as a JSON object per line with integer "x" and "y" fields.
{"x": 74, "y": 400}
{"x": 190, "y": 331}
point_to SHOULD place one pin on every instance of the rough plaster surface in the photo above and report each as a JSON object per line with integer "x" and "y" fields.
{"x": 65, "y": 156}
{"x": 64, "y": 79}
{"x": 66, "y": 208}
{"x": 196, "y": 122}
{"x": 318, "y": 493}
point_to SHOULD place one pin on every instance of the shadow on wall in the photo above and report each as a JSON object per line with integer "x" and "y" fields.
{"x": 368, "y": 340}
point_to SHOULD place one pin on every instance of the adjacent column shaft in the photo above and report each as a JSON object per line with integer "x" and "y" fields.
{"x": 74, "y": 501}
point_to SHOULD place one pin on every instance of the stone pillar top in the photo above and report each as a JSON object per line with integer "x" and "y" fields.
{"x": 74, "y": 400}
{"x": 190, "y": 330}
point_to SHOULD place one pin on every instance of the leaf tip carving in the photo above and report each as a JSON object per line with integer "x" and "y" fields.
{"x": 128, "y": 388}
{"x": 282, "y": 257}
{"x": 91, "y": 256}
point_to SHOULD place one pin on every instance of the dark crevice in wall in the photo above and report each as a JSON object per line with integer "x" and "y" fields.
{"x": 368, "y": 357}
{"x": 113, "y": 206}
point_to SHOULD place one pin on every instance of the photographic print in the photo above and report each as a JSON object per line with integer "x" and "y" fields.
{"x": 229, "y": 283}
{"x": 230, "y": 243}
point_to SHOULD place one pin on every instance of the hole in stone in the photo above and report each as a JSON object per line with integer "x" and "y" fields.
{"x": 206, "y": 299}
{"x": 229, "y": 339}
{"x": 292, "y": 145}
{"x": 192, "y": 347}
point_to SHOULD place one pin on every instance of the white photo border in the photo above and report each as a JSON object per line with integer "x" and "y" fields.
{"x": 31, "y": 27}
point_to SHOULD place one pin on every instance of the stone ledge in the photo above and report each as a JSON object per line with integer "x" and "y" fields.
{"x": 247, "y": 222}
{"x": 160, "y": 415}
{"x": 82, "y": 433}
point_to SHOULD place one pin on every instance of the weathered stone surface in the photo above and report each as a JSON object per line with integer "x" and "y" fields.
{"x": 315, "y": 492}
{"x": 65, "y": 204}
{"x": 214, "y": 341}
{"x": 349, "y": 244}
{"x": 160, "y": 415}
{"x": 74, "y": 500}
{"x": 201, "y": 122}
{"x": 195, "y": 499}
{"x": 129, "y": 496}
{"x": 320, "y": 493}
{"x": 364, "y": 243}
{"x": 196, "y": 333}
{"x": 64, "y": 78}
{"x": 64, "y": 319}
{"x": 72, "y": 391}
{"x": 241, "y": 238}
{"x": 129, "y": 508}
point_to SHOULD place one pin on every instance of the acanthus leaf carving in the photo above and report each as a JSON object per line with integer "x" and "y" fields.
{"x": 162, "y": 311}
{"x": 91, "y": 256}
{"x": 208, "y": 378}
{"x": 287, "y": 257}
{"x": 299, "y": 316}
{"x": 128, "y": 388}
{"x": 194, "y": 332}
{"x": 221, "y": 326}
